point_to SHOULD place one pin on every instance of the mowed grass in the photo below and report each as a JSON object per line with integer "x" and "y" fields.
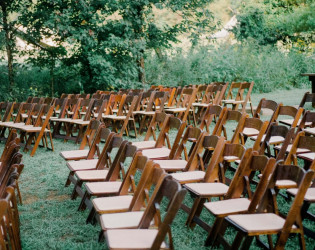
{"x": 50, "y": 220}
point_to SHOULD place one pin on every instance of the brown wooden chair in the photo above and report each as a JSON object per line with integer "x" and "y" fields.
{"x": 39, "y": 130}
{"x": 143, "y": 237}
{"x": 259, "y": 223}
{"x": 86, "y": 173}
{"x": 266, "y": 108}
{"x": 247, "y": 128}
{"x": 124, "y": 116}
{"x": 213, "y": 113}
{"x": 114, "y": 188}
{"x": 89, "y": 160}
{"x": 240, "y": 99}
{"x": 117, "y": 211}
{"x": 184, "y": 104}
{"x": 234, "y": 203}
{"x": 231, "y": 118}
{"x": 169, "y": 125}
{"x": 213, "y": 184}
{"x": 179, "y": 146}
{"x": 87, "y": 140}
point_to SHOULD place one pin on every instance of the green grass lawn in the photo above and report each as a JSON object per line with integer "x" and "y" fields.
{"x": 50, "y": 220}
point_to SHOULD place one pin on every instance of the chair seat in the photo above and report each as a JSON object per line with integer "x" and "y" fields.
{"x": 197, "y": 104}
{"x": 17, "y": 125}
{"x": 144, "y": 144}
{"x": 117, "y": 117}
{"x": 80, "y": 122}
{"x": 131, "y": 238}
{"x": 309, "y": 196}
{"x": 156, "y": 153}
{"x": 74, "y": 154}
{"x": 230, "y": 101}
{"x": 281, "y": 184}
{"x": 112, "y": 204}
{"x": 176, "y": 110}
{"x": 250, "y": 131}
{"x": 92, "y": 175}
{"x": 82, "y": 165}
{"x": 108, "y": 187}
{"x": 121, "y": 220}
{"x": 227, "y": 207}
{"x": 60, "y": 119}
{"x": 208, "y": 189}
{"x": 143, "y": 112}
{"x": 33, "y": 129}
{"x": 273, "y": 139}
{"x": 5, "y": 124}
{"x": 298, "y": 150}
{"x": 172, "y": 165}
{"x": 190, "y": 176}
{"x": 230, "y": 158}
{"x": 255, "y": 223}
{"x": 307, "y": 156}
{"x": 289, "y": 122}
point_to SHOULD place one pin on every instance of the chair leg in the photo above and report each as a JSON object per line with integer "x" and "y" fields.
{"x": 51, "y": 142}
{"x": 82, "y": 205}
{"x": 196, "y": 212}
{"x": 91, "y": 218}
{"x": 18, "y": 191}
{"x": 237, "y": 241}
{"x": 74, "y": 194}
{"x": 214, "y": 231}
{"x": 247, "y": 242}
{"x": 68, "y": 181}
{"x": 37, "y": 142}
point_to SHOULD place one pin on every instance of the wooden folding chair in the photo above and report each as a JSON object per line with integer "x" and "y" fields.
{"x": 169, "y": 125}
{"x": 213, "y": 184}
{"x": 88, "y": 173}
{"x": 39, "y": 130}
{"x": 144, "y": 238}
{"x": 156, "y": 104}
{"x": 213, "y": 113}
{"x": 259, "y": 223}
{"x": 124, "y": 115}
{"x": 234, "y": 203}
{"x": 233, "y": 117}
{"x": 240, "y": 99}
{"x": 184, "y": 104}
{"x": 251, "y": 126}
{"x": 266, "y": 107}
{"x": 114, "y": 188}
{"x": 303, "y": 147}
{"x": 125, "y": 211}
{"x": 179, "y": 146}
{"x": 102, "y": 134}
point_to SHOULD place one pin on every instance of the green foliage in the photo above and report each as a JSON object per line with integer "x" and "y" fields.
{"x": 268, "y": 67}
{"x": 271, "y": 21}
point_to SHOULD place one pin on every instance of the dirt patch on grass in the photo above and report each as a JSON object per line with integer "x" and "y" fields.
{"x": 54, "y": 196}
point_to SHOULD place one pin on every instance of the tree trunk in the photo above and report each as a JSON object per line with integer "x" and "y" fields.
{"x": 8, "y": 43}
{"x": 52, "y": 78}
{"x": 141, "y": 69}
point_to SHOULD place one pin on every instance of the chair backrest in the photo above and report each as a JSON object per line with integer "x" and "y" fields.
{"x": 171, "y": 190}
{"x": 303, "y": 142}
{"x": 308, "y": 120}
{"x": 138, "y": 165}
{"x": 8, "y": 112}
{"x": 212, "y": 113}
{"x": 158, "y": 119}
{"x": 266, "y": 104}
{"x": 229, "y": 115}
{"x": 102, "y": 133}
{"x": 250, "y": 124}
{"x": 89, "y": 134}
{"x": 149, "y": 181}
{"x": 191, "y": 134}
{"x": 233, "y": 90}
{"x": 251, "y": 163}
{"x": 105, "y": 158}
{"x": 308, "y": 97}
{"x": 24, "y": 109}
{"x": 169, "y": 124}
{"x": 186, "y": 100}
{"x": 291, "y": 111}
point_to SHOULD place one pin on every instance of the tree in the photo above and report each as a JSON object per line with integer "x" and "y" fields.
{"x": 107, "y": 40}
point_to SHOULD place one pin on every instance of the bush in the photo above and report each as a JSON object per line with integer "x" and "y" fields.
{"x": 268, "y": 67}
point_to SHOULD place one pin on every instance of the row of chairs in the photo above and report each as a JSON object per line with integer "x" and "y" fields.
{"x": 10, "y": 170}
{"x": 205, "y": 163}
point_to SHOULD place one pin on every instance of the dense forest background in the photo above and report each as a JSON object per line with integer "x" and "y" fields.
{"x": 49, "y": 47}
